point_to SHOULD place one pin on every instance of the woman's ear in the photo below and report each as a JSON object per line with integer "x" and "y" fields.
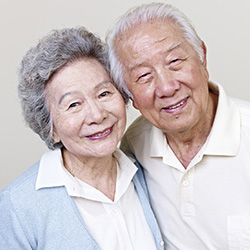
{"x": 56, "y": 137}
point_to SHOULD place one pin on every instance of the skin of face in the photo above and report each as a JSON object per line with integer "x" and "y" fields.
{"x": 89, "y": 114}
{"x": 166, "y": 77}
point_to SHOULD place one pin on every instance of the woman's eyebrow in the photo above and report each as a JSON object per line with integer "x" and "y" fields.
{"x": 106, "y": 82}
{"x": 64, "y": 95}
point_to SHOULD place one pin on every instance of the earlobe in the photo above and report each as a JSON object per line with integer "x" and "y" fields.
{"x": 135, "y": 104}
{"x": 56, "y": 137}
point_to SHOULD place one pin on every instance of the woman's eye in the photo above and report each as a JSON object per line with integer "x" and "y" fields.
{"x": 74, "y": 104}
{"x": 103, "y": 94}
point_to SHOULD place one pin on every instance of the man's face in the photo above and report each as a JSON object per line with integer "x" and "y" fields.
{"x": 165, "y": 75}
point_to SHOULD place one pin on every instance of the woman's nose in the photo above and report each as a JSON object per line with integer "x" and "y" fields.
{"x": 95, "y": 113}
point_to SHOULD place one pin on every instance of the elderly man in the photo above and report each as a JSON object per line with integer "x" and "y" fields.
{"x": 192, "y": 140}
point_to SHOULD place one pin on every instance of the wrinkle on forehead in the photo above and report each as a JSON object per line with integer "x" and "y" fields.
{"x": 147, "y": 36}
{"x": 168, "y": 50}
{"x": 141, "y": 34}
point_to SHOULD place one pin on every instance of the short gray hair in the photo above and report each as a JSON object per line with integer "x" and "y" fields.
{"x": 143, "y": 14}
{"x": 58, "y": 48}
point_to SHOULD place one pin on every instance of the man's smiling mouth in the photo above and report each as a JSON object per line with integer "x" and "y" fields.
{"x": 176, "y": 106}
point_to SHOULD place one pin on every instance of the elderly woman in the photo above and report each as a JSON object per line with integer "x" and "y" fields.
{"x": 84, "y": 193}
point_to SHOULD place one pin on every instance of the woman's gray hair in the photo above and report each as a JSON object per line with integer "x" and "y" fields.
{"x": 55, "y": 50}
{"x": 143, "y": 14}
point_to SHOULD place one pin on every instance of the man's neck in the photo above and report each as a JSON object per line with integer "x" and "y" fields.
{"x": 187, "y": 144}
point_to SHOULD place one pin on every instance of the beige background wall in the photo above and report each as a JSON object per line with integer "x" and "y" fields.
{"x": 223, "y": 25}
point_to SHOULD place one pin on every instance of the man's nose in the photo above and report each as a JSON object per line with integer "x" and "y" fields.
{"x": 166, "y": 83}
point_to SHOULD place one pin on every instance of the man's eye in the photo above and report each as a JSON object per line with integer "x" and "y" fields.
{"x": 175, "y": 60}
{"x": 176, "y": 63}
{"x": 143, "y": 77}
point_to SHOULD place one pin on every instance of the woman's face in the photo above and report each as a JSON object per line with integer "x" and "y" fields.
{"x": 88, "y": 112}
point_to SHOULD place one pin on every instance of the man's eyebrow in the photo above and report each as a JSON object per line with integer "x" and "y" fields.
{"x": 174, "y": 46}
{"x": 168, "y": 50}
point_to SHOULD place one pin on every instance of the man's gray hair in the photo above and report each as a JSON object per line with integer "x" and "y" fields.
{"x": 143, "y": 14}
{"x": 52, "y": 52}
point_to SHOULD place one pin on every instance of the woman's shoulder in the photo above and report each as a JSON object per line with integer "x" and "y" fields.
{"x": 23, "y": 181}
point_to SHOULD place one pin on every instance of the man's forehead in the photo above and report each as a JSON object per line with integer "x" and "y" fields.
{"x": 154, "y": 24}
{"x": 167, "y": 50}
{"x": 144, "y": 33}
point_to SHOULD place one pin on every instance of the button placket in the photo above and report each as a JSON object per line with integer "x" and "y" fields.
{"x": 186, "y": 183}
{"x": 186, "y": 194}
{"x": 114, "y": 212}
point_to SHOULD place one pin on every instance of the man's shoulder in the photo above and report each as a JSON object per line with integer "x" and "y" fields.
{"x": 138, "y": 127}
{"x": 244, "y": 109}
{"x": 136, "y": 136}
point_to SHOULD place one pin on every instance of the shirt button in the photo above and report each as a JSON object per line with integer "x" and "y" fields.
{"x": 186, "y": 183}
{"x": 114, "y": 212}
{"x": 162, "y": 243}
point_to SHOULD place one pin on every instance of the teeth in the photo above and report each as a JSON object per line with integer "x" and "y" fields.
{"x": 177, "y": 105}
{"x": 100, "y": 134}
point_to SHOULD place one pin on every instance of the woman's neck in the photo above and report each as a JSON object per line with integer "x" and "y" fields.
{"x": 99, "y": 173}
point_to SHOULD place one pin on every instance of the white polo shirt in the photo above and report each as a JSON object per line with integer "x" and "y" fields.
{"x": 207, "y": 205}
{"x": 118, "y": 224}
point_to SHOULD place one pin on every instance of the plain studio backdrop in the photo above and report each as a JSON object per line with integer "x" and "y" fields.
{"x": 223, "y": 25}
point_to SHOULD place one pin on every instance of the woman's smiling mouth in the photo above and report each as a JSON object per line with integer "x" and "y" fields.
{"x": 101, "y": 135}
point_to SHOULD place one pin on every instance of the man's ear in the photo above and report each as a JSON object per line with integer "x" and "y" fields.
{"x": 134, "y": 104}
{"x": 205, "y": 53}
{"x": 205, "y": 59}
